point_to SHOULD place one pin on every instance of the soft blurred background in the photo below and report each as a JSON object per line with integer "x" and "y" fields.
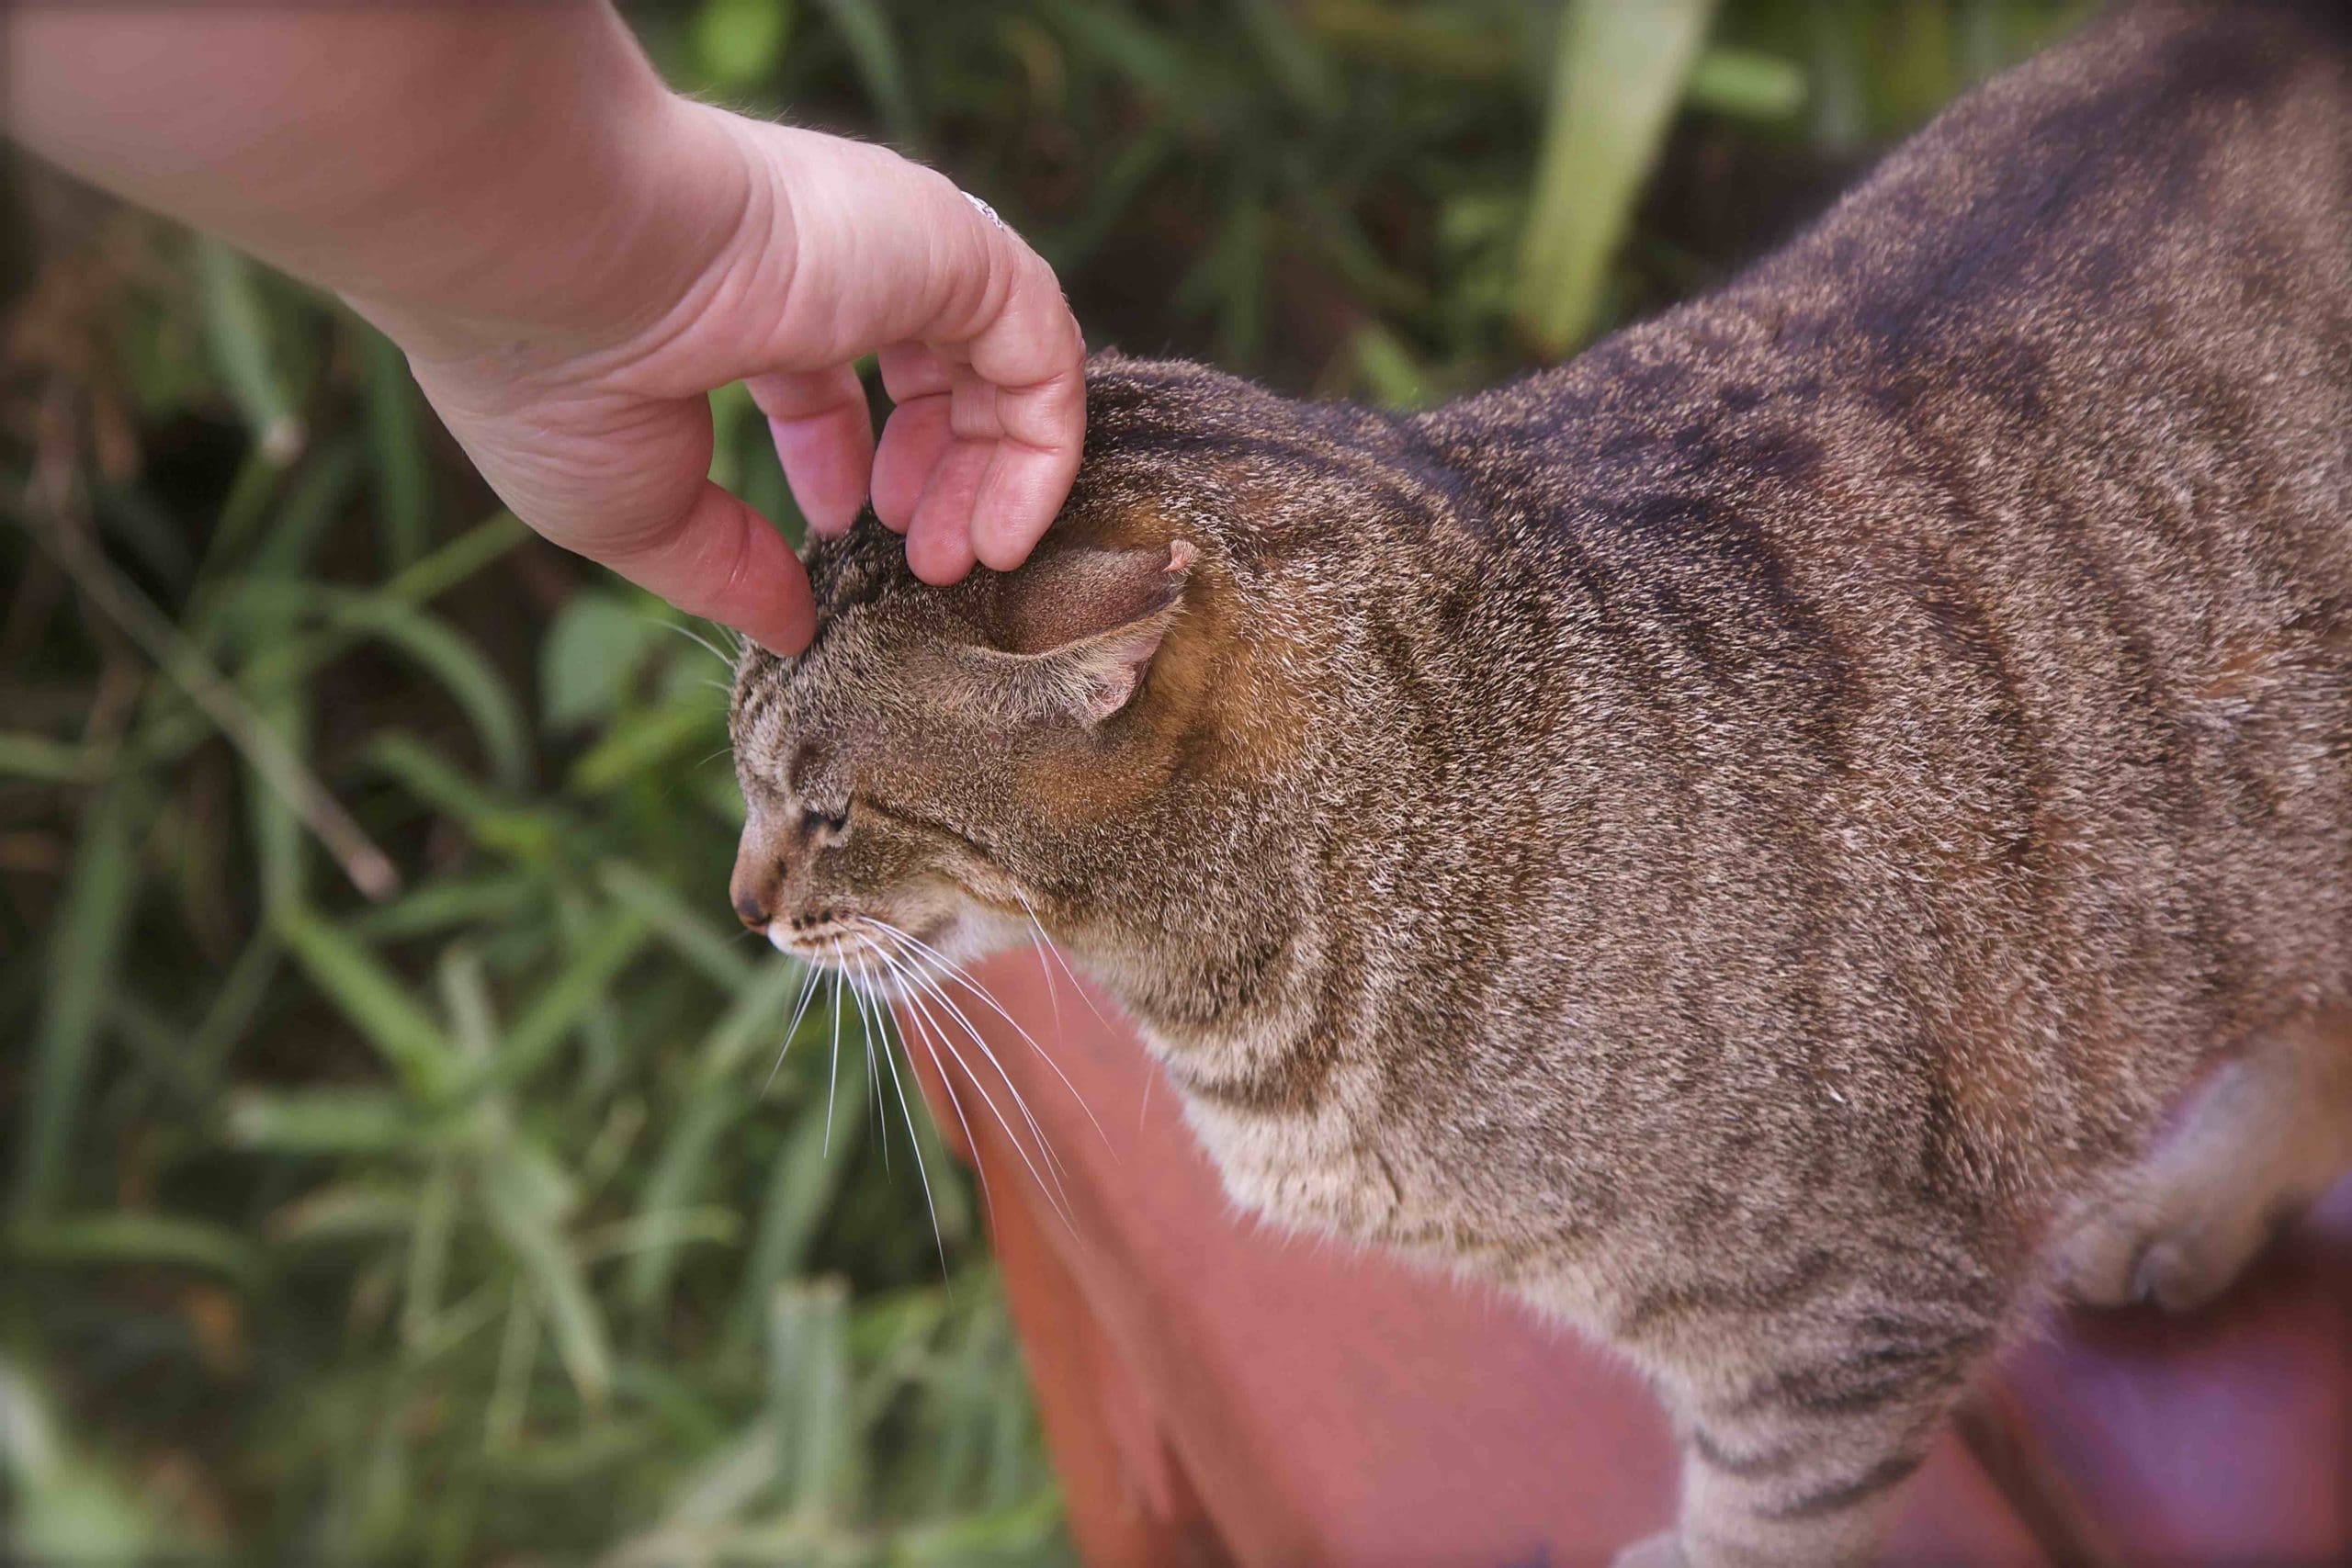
{"x": 443, "y": 1209}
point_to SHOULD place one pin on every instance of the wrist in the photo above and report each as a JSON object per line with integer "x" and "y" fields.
{"x": 606, "y": 251}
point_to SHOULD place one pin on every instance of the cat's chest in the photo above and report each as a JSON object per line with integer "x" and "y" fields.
{"x": 1300, "y": 1177}
{"x": 1302, "y": 1173}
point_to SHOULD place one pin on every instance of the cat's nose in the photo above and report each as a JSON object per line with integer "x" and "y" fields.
{"x": 758, "y": 883}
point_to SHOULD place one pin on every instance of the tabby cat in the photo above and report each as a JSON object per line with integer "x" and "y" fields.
{"x": 1776, "y": 842}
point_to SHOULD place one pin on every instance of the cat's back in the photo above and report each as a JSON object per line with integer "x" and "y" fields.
{"x": 2063, "y": 389}
{"x": 1964, "y": 595}
{"x": 2144, "y": 235}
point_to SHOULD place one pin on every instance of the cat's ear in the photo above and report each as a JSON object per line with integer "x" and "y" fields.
{"x": 1077, "y": 628}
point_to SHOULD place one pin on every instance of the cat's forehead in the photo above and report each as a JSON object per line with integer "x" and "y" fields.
{"x": 860, "y": 677}
{"x": 778, "y": 697}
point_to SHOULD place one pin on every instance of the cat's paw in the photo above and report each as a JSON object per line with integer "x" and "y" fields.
{"x": 2255, "y": 1141}
{"x": 1662, "y": 1549}
{"x": 2178, "y": 1256}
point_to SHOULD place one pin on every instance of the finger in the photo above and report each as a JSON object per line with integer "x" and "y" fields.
{"x": 939, "y": 540}
{"x": 885, "y": 251}
{"x": 913, "y": 441}
{"x": 722, "y": 559}
{"x": 1032, "y": 360}
{"x": 1030, "y": 339}
{"x": 824, "y": 438}
{"x": 912, "y": 370}
{"x": 897, "y": 255}
{"x": 1030, "y": 478}
{"x": 1017, "y": 501}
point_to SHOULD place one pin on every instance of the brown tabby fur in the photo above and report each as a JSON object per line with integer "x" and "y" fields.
{"x": 1744, "y": 839}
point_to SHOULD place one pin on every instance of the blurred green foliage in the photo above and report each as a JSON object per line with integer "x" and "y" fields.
{"x": 453, "y": 1224}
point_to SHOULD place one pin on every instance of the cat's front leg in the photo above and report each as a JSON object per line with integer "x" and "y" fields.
{"x": 1817, "y": 1513}
{"x": 1794, "y": 1511}
{"x": 1800, "y": 1460}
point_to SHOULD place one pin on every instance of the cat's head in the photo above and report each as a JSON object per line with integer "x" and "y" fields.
{"x": 944, "y": 765}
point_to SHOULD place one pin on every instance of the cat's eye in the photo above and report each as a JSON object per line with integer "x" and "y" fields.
{"x": 815, "y": 824}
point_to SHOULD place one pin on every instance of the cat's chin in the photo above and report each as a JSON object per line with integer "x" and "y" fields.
{"x": 887, "y": 961}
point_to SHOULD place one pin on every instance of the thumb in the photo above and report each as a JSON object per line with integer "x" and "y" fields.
{"x": 723, "y": 560}
{"x": 619, "y": 479}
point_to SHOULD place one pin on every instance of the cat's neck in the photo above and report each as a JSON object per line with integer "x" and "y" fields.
{"x": 1218, "y": 979}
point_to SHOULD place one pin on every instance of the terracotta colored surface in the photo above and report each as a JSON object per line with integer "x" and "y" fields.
{"x": 2225, "y": 1435}
{"x": 1217, "y": 1393}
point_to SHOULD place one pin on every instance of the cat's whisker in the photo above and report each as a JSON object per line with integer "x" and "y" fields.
{"x": 837, "y": 1058}
{"x": 922, "y": 978}
{"x": 914, "y": 1141}
{"x": 1053, "y": 992}
{"x": 865, "y": 1033}
{"x": 877, "y": 1014}
{"x": 799, "y": 1010}
{"x": 699, "y": 641}
{"x": 833, "y": 1071}
{"x": 1045, "y": 969}
{"x": 873, "y": 1091}
{"x": 947, "y": 1087}
{"x": 1042, "y": 945}
{"x": 914, "y": 998}
{"x": 1045, "y": 943}
{"x": 965, "y": 978}
{"x": 913, "y": 987}
{"x": 1055, "y": 1177}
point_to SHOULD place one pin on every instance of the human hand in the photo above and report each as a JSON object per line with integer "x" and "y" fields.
{"x": 573, "y": 257}
{"x": 796, "y": 253}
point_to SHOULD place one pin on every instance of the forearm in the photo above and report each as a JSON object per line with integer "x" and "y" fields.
{"x": 573, "y": 257}
{"x": 495, "y": 163}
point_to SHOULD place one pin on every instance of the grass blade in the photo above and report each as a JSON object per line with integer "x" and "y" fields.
{"x": 802, "y": 1183}
{"x": 864, "y": 27}
{"x": 396, "y": 443}
{"x": 567, "y": 998}
{"x": 83, "y": 956}
{"x": 441, "y": 652}
{"x": 262, "y": 746}
{"x": 520, "y": 1208}
{"x": 695, "y": 939}
{"x": 1616, "y": 80}
{"x": 236, "y": 328}
{"x": 348, "y": 1119}
{"x": 37, "y": 757}
{"x": 63, "y": 1506}
{"x": 373, "y": 999}
{"x": 129, "y": 1236}
{"x": 809, "y": 1401}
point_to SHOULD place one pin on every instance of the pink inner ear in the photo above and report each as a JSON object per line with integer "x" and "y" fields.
{"x": 1073, "y": 595}
{"x": 1116, "y": 667}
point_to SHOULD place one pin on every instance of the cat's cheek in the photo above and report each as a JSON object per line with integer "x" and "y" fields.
{"x": 977, "y": 932}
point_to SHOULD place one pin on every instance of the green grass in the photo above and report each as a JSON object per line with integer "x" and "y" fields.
{"x": 393, "y": 1171}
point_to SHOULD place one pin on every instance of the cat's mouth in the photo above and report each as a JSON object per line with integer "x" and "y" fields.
{"x": 879, "y": 958}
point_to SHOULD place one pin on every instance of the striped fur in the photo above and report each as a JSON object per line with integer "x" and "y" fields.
{"x": 1743, "y": 839}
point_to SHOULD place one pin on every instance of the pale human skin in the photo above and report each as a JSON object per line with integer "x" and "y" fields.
{"x": 572, "y": 256}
